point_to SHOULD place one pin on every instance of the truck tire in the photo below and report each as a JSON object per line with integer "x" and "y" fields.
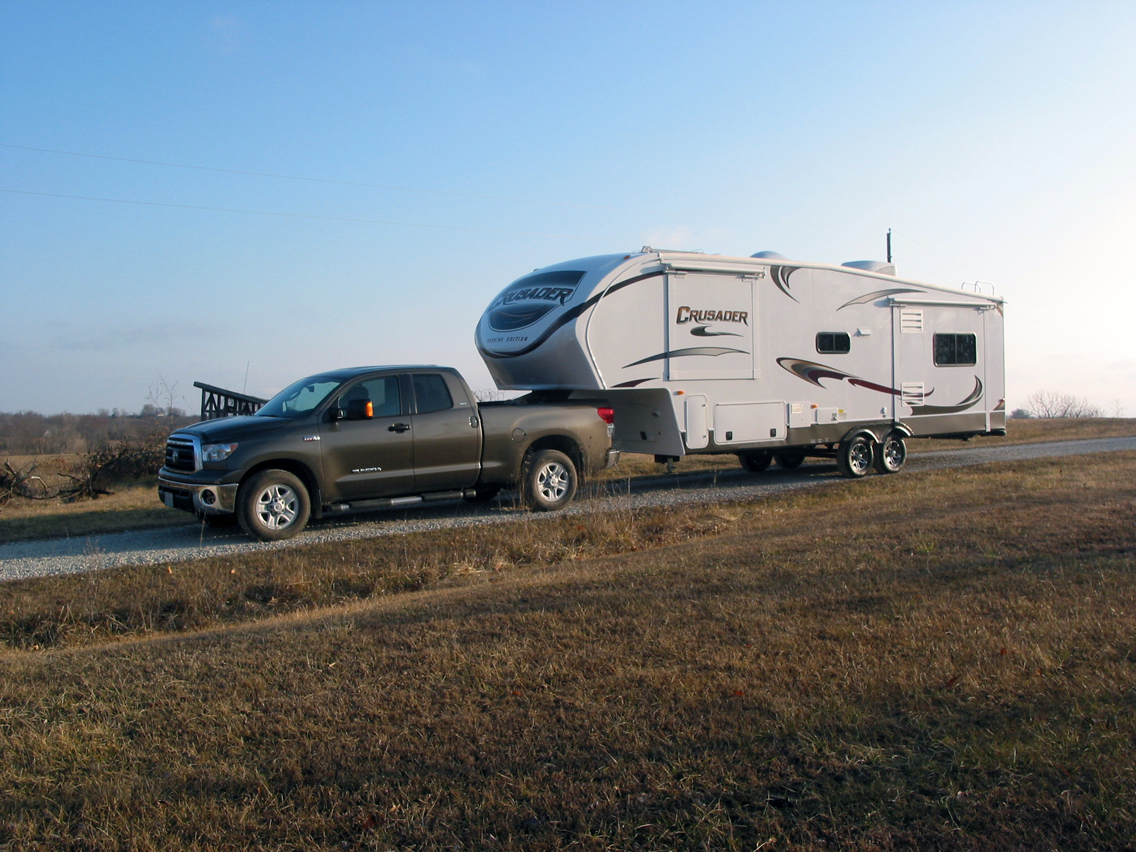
{"x": 273, "y": 505}
{"x": 756, "y": 461}
{"x": 855, "y": 456}
{"x": 549, "y": 481}
{"x": 789, "y": 459}
{"x": 891, "y": 453}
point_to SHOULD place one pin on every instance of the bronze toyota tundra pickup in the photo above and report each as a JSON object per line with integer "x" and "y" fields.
{"x": 372, "y": 437}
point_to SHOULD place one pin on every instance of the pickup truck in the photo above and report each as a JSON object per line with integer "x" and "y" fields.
{"x": 374, "y": 437}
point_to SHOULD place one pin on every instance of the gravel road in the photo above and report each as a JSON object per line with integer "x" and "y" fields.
{"x": 194, "y": 541}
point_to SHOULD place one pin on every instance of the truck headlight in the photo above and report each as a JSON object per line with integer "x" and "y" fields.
{"x": 217, "y": 452}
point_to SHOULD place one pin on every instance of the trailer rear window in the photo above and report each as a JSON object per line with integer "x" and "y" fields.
{"x": 833, "y": 342}
{"x": 956, "y": 350}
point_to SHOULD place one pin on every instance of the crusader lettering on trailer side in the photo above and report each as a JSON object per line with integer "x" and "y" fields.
{"x": 687, "y": 314}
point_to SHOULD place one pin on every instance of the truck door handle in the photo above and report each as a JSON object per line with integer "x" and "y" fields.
{"x": 399, "y": 427}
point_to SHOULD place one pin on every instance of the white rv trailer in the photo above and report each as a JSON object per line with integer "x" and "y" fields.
{"x": 759, "y": 356}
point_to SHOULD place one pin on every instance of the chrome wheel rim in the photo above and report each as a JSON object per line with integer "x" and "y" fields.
{"x": 894, "y": 454}
{"x": 860, "y": 457}
{"x": 277, "y": 507}
{"x": 552, "y": 481}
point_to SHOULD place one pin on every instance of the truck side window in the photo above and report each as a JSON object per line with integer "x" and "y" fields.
{"x": 431, "y": 393}
{"x": 956, "y": 350}
{"x": 382, "y": 393}
{"x": 833, "y": 342}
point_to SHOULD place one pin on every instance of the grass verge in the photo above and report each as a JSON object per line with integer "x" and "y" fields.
{"x": 135, "y": 507}
{"x": 945, "y": 661}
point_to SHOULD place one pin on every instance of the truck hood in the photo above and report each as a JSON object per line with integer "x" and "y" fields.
{"x": 234, "y": 428}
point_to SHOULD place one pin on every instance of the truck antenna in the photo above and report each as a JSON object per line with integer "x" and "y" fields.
{"x": 889, "y": 245}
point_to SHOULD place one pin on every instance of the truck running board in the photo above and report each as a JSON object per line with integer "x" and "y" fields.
{"x": 388, "y": 502}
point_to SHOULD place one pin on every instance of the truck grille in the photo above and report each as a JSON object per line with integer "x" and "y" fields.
{"x": 181, "y": 453}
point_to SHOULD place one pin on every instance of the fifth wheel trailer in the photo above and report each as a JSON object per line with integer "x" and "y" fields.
{"x": 760, "y": 356}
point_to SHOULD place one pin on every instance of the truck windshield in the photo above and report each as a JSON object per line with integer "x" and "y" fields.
{"x": 300, "y": 398}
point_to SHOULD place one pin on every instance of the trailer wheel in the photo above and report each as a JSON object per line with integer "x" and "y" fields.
{"x": 789, "y": 459}
{"x": 756, "y": 461}
{"x": 891, "y": 453}
{"x": 854, "y": 458}
{"x": 549, "y": 481}
{"x": 273, "y": 505}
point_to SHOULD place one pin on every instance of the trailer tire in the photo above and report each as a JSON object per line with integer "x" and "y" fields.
{"x": 273, "y": 505}
{"x": 756, "y": 461}
{"x": 855, "y": 457}
{"x": 891, "y": 453}
{"x": 789, "y": 459}
{"x": 549, "y": 481}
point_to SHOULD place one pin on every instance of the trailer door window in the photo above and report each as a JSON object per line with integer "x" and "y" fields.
{"x": 956, "y": 350}
{"x": 833, "y": 342}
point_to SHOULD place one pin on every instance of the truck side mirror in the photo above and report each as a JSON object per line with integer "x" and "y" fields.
{"x": 360, "y": 409}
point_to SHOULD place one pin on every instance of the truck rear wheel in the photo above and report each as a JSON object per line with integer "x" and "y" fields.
{"x": 549, "y": 481}
{"x": 273, "y": 505}
{"x": 756, "y": 461}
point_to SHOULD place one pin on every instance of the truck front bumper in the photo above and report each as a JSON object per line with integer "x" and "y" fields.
{"x": 209, "y": 499}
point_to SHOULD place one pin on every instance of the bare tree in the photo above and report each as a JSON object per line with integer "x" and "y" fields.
{"x": 161, "y": 397}
{"x": 1045, "y": 404}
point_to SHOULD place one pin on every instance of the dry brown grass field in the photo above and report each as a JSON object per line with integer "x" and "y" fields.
{"x": 941, "y": 661}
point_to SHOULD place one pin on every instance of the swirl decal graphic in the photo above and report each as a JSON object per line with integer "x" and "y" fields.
{"x": 703, "y": 331}
{"x": 969, "y": 402}
{"x": 562, "y": 320}
{"x": 813, "y": 372}
{"x": 879, "y": 294}
{"x": 712, "y": 351}
{"x": 780, "y": 276}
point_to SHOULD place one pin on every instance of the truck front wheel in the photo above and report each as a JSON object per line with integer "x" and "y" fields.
{"x": 549, "y": 481}
{"x": 273, "y": 505}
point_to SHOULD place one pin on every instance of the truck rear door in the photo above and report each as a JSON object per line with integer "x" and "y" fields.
{"x": 447, "y": 433}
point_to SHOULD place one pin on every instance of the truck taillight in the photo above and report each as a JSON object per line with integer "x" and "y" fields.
{"x": 607, "y": 415}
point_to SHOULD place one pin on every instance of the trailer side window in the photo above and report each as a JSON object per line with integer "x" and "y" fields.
{"x": 833, "y": 342}
{"x": 956, "y": 350}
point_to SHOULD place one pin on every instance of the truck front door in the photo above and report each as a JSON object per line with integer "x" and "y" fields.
{"x": 365, "y": 457}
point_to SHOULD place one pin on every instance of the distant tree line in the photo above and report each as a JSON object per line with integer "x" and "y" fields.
{"x": 1046, "y": 405}
{"x": 27, "y": 433}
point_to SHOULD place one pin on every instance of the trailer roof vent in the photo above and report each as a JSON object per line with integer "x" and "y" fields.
{"x": 872, "y": 266}
{"x": 769, "y": 255}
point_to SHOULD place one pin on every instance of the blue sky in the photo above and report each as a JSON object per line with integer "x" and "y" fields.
{"x": 257, "y": 191}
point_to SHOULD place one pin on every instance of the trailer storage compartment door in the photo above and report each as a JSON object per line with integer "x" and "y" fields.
{"x": 749, "y": 422}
